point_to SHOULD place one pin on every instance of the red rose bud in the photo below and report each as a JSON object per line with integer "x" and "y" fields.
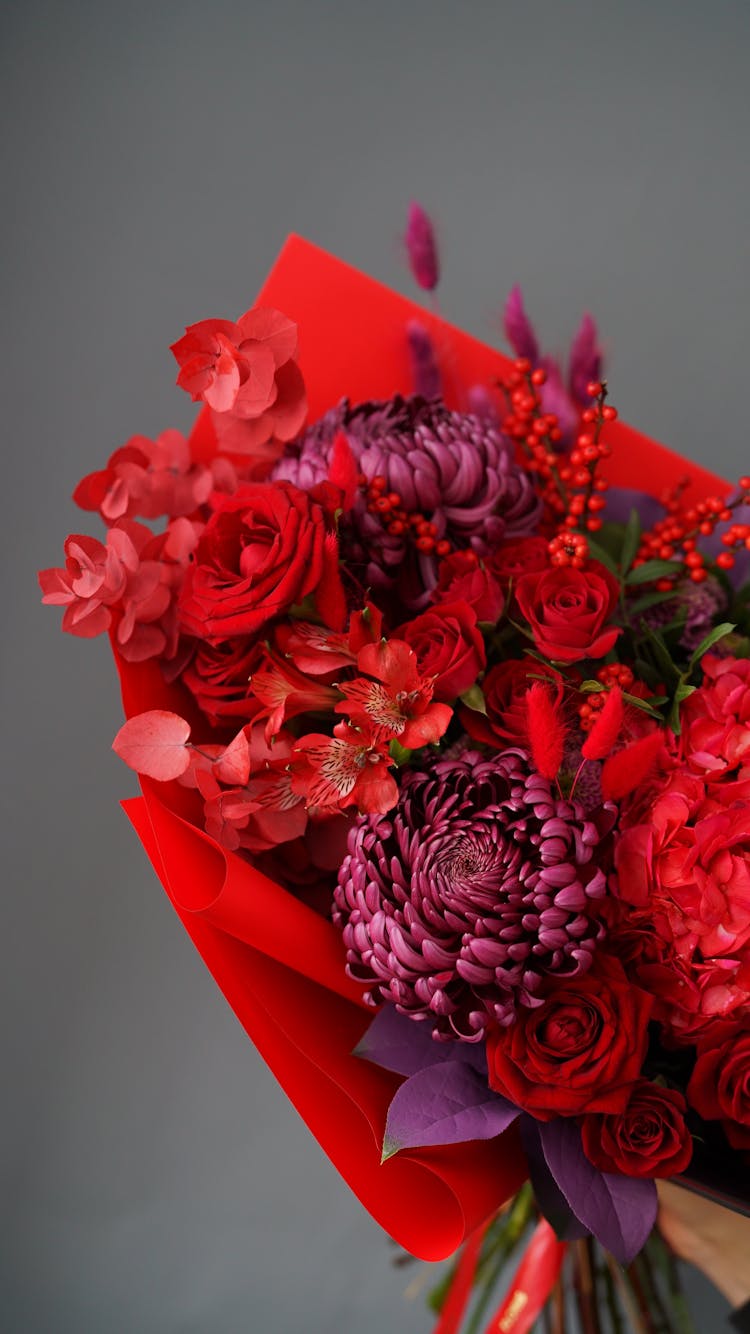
{"x": 649, "y": 1138}
{"x": 421, "y": 248}
{"x": 461, "y": 577}
{"x": 568, "y": 609}
{"x": 579, "y": 1052}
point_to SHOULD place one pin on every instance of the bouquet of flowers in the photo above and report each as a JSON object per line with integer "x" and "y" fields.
{"x": 437, "y": 680}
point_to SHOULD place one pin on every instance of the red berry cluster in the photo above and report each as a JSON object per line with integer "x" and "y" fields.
{"x": 535, "y": 432}
{"x": 612, "y": 674}
{"x": 676, "y": 536}
{"x": 578, "y": 472}
{"x": 569, "y": 486}
{"x": 400, "y": 522}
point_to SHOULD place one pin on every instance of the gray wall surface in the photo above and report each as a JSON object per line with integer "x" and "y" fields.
{"x": 153, "y": 159}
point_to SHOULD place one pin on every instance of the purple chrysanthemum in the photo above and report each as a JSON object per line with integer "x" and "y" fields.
{"x": 455, "y": 468}
{"x": 479, "y": 884}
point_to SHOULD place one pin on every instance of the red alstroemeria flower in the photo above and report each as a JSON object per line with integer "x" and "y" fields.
{"x": 398, "y": 702}
{"x": 285, "y": 692}
{"x": 348, "y": 769}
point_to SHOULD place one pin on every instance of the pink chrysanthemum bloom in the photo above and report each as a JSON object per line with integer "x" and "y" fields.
{"x": 457, "y": 904}
{"x": 456, "y": 469}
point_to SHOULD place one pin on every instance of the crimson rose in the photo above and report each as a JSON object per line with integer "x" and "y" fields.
{"x": 568, "y": 610}
{"x": 449, "y": 645}
{"x": 505, "y": 688}
{"x": 719, "y": 1087}
{"x": 218, "y": 677}
{"x": 580, "y": 1051}
{"x": 264, "y": 549}
{"x": 648, "y": 1139}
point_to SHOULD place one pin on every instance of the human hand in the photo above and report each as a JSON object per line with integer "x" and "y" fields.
{"x": 714, "y": 1239}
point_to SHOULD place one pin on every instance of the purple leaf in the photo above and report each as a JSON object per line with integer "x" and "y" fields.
{"x": 549, "y": 1197}
{"x": 519, "y": 330}
{"x": 406, "y": 1045}
{"x": 445, "y": 1104}
{"x": 619, "y": 1210}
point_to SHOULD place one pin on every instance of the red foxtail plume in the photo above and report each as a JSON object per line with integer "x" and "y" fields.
{"x": 603, "y": 735}
{"x": 343, "y": 471}
{"x": 546, "y": 729}
{"x": 624, "y": 772}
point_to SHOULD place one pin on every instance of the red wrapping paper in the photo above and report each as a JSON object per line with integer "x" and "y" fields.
{"x": 279, "y": 964}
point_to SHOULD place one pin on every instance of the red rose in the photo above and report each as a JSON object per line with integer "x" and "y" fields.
{"x": 568, "y": 610}
{"x": 504, "y": 688}
{"x": 580, "y": 1051}
{"x": 648, "y": 1139}
{"x": 719, "y": 1087}
{"x": 264, "y": 549}
{"x": 449, "y": 645}
{"x": 218, "y": 677}
{"x": 462, "y": 578}
{"x": 527, "y": 555}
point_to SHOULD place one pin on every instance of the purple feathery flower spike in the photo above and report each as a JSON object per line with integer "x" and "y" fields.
{"x": 586, "y": 361}
{"x": 421, "y": 248}
{"x": 424, "y": 368}
{"x": 519, "y": 330}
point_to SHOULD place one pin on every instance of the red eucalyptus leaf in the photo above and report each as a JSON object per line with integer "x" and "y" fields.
{"x": 155, "y": 744}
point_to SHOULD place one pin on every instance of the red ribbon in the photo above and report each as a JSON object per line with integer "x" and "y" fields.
{"x": 460, "y": 1289}
{"x": 531, "y": 1285}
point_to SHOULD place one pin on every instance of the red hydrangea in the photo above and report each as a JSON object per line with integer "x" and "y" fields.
{"x": 683, "y": 861}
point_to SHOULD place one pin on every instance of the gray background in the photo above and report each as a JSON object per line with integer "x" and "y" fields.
{"x": 154, "y": 157}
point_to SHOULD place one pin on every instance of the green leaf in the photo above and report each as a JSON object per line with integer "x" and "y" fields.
{"x": 645, "y": 705}
{"x": 589, "y": 687}
{"x": 598, "y": 552}
{"x": 648, "y": 600}
{"x": 473, "y": 698}
{"x": 652, "y": 570}
{"x": 718, "y": 632}
{"x": 631, "y": 541}
{"x": 399, "y": 753}
{"x": 671, "y": 672}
